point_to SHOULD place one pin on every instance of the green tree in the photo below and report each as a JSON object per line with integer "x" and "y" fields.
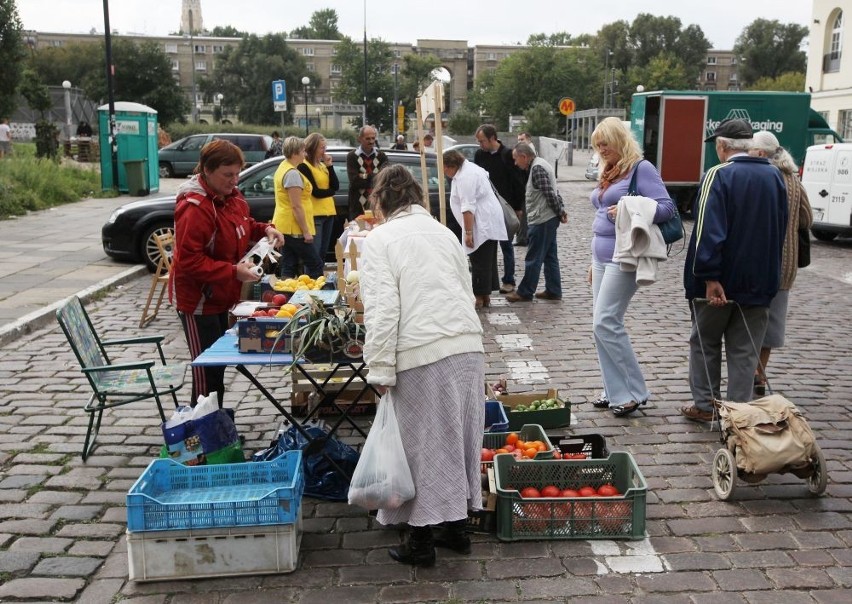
{"x": 463, "y": 122}
{"x": 665, "y": 71}
{"x": 541, "y": 119}
{"x": 244, "y": 74}
{"x": 227, "y": 31}
{"x": 350, "y": 57}
{"x": 38, "y": 98}
{"x": 322, "y": 26}
{"x": 11, "y": 55}
{"x": 562, "y": 38}
{"x": 791, "y": 81}
{"x": 768, "y": 49}
{"x": 652, "y": 35}
{"x": 414, "y": 76}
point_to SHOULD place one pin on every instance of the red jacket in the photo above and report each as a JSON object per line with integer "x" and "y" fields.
{"x": 211, "y": 235}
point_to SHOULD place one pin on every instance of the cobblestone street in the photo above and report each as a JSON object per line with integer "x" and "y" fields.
{"x": 62, "y": 521}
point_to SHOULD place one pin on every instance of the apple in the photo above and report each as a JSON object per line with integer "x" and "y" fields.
{"x": 279, "y": 299}
{"x": 267, "y": 296}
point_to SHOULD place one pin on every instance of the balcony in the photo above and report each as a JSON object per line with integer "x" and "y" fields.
{"x": 831, "y": 62}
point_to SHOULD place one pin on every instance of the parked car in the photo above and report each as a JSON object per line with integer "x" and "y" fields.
{"x": 592, "y": 167}
{"x": 466, "y": 149}
{"x": 129, "y": 233}
{"x": 181, "y": 157}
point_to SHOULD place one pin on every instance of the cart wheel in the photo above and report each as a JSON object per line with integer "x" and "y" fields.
{"x": 724, "y": 473}
{"x": 819, "y": 479}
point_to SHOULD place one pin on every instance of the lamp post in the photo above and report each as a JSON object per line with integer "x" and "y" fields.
{"x": 379, "y": 100}
{"x": 609, "y": 53}
{"x": 395, "y": 108}
{"x": 192, "y": 68}
{"x": 219, "y": 97}
{"x": 66, "y": 85}
{"x": 364, "y": 117}
{"x": 319, "y": 118}
{"x": 305, "y": 81}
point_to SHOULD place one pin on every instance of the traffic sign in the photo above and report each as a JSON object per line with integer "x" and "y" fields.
{"x": 566, "y": 106}
{"x": 279, "y": 95}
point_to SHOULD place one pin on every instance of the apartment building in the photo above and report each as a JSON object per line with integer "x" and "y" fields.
{"x": 720, "y": 72}
{"x": 829, "y": 75}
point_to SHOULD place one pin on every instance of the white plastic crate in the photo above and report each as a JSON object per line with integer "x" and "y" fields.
{"x": 215, "y": 552}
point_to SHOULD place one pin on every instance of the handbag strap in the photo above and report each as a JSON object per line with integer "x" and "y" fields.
{"x": 631, "y": 190}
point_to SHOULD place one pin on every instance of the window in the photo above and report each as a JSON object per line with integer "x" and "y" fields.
{"x": 711, "y": 60}
{"x": 201, "y": 49}
{"x": 491, "y": 56}
{"x": 335, "y": 69}
{"x": 733, "y": 77}
{"x": 831, "y": 61}
{"x": 55, "y": 43}
{"x": 710, "y": 76}
{"x": 217, "y": 48}
{"x": 171, "y": 49}
{"x": 201, "y": 66}
{"x": 308, "y": 52}
{"x": 175, "y": 65}
{"x": 310, "y": 66}
{"x": 845, "y": 123}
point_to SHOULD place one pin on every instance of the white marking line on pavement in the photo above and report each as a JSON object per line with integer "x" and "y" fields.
{"x": 514, "y": 341}
{"x": 627, "y": 558}
{"x": 847, "y": 278}
{"x": 503, "y": 318}
{"x": 528, "y": 371}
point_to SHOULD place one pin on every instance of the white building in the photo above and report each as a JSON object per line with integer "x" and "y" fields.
{"x": 829, "y": 76}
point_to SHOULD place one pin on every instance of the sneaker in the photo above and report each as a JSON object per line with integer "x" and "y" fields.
{"x": 507, "y": 288}
{"x": 516, "y": 297}
{"x": 546, "y": 295}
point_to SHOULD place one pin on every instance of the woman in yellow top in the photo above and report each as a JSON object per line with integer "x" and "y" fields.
{"x": 318, "y": 170}
{"x": 294, "y": 214}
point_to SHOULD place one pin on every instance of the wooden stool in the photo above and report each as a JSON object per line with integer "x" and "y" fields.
{"x": 165, "y": 242}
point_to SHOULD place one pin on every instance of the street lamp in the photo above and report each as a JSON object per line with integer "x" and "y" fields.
{"x": 192, "y": 66}
{"x": 609, "y": 53}
{"x": 67, "y": 86}
{"x": 305, "y": 81}
{"x": 379, "y": 100}
{"x": 219, "y": 97}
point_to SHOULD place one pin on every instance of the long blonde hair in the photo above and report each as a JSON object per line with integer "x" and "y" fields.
{"x": 613, "y": 133}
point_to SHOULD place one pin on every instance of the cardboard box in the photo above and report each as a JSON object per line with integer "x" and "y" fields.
{"x": 549, "y": 418}
{"x": 485, "y": 520}
{"x": 259, "y": 334}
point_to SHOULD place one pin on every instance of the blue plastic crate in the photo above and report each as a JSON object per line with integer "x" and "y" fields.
{"x": 495, "y": 417}
{"x": 169, "y": 495}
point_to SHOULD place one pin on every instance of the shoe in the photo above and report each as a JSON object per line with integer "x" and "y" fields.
{"x": 418, "y": 549}
{"x": 516, "y": 297}
{"x": 486, "y": 301}
{"x": 478, "y": 304}
{"x": 695, "y": 414}
{"x": 602, "y": 402}
{"x": 546, "y": 295}
{"x": 520, "y": 244}
{"x": 454, "y": 537}
{"x": 624, "y": 409}
{"x": 759, "y": 386}
{"x": 507, "y": 288}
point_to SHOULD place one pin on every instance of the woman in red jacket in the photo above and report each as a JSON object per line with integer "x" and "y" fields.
{"x": 213, "y": 231}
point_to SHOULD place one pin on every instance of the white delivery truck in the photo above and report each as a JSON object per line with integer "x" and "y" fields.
{"x": 827, "y": 178}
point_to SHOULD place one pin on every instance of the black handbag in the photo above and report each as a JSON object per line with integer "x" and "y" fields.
{"x": 672, "y": 229}
{"x": 804, "y": 258}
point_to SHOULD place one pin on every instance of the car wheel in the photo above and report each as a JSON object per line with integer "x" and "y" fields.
{"x": 166, "y": 170}
{"x": 148, "y": 250}
{"x": 824, "y": 235}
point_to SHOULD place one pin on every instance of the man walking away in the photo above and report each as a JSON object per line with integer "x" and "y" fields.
{"x": 544, "y": 213}
{"x": 734, "y": 256}
{"x": 497, "y": 160}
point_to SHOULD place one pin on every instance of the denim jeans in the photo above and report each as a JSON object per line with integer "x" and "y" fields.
{"x": 541, "y": 251}
{"x": 612, "y": 290}
{"x": 322, "y": 240}
{"x": 508, "y": 262}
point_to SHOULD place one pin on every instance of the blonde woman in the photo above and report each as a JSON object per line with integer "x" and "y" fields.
{"x": 800, "y": 216}
{"x": 320, "y": 173}
{"x": 612, "y": 289}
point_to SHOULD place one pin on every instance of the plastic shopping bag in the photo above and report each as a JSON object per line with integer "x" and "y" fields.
{"x": 382, "y": 478}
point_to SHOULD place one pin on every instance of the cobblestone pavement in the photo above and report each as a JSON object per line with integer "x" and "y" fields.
{"x": 62, "y": 521}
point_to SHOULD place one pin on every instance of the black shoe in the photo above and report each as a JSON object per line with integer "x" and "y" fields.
{"x": 626, "y": 408}
{"x": 454, "y": 537}
{"x": 419, "y": 548}
{"x": 602, "y": 402}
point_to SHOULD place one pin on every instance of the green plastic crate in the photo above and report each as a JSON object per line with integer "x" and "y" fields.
{"x": 529, "y": 432}
{"x": 549, "y": 418}
{"x": 620, "y": 517}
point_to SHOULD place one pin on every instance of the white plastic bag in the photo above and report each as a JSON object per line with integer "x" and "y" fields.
{"x": 205, "y": 405}
{"x": 382, "y": 478}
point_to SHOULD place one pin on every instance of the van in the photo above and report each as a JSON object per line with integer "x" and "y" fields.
{"x": 181, "y": 157}
{"x": 827, "y": 179}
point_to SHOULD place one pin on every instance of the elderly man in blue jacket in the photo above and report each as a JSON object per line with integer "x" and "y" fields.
{"x": 734, "y": 256}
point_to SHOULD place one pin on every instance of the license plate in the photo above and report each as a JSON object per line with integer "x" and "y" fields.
{"x": 817, "y": 214}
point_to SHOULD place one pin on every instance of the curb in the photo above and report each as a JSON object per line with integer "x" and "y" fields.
{"x": 39, "y": 318}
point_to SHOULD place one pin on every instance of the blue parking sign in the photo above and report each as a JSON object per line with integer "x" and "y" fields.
{"x": 279, "y": 95}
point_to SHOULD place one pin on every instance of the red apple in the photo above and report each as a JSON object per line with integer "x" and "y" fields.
{"x": 267, "y": 296}
{"x": 279, "y": 299}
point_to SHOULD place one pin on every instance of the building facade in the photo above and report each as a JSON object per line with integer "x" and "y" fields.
{"x": 829, "y": 76}
{"x": 720, "y": 72}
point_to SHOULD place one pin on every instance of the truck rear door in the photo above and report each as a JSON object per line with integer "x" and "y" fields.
{"x": 681, "y": 152}
{"x": 827, "y": 179}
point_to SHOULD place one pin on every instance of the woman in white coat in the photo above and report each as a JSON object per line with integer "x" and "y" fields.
{"x": 476, "y": 208}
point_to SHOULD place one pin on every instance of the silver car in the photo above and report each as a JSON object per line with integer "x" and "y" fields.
{"x": 592, "y": 167}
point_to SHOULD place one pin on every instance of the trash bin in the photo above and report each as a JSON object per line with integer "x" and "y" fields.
{"x": 137, "y": 183}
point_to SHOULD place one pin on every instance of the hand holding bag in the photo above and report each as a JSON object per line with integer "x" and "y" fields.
{"x": 672, "y": 229}
{"x": 382, "y": 478}
{"x": 510, "y": 217}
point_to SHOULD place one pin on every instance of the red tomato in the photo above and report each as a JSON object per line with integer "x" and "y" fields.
{"x": 613, "y": 516}
{"x": 550, "y": 491}
{"x": 530, "y": 493}
{"x": 279, "y": 299}
{"x": 587, "y": 492}
{"x": 487, "y": 454}
{"x": 583, "y": 517}
{"x": 607, "y": 490}
{"x": 569, "y": 493}
{"x": 267, "y": 296}
{"x": 259, "y": 313}
{"x": 509, "y": 448}
{"x": 557, "y": 454}
{"x": 272, "y": 312}
{"x": 538, "y": 517}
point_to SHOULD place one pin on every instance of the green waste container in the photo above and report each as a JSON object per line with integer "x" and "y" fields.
{"x": 136, "y": 178}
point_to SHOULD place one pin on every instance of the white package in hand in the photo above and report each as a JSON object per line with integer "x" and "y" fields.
{"x": 262, "y": 249}
{"x": 382, "y": 478}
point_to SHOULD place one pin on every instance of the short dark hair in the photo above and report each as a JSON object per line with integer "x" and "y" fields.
{"x": 218, "y": 153}
{"x": 488, "y": 131}
{"x": 453, "y": 158}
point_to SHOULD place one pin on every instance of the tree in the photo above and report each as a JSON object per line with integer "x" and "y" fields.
{"x": 323, "y": 26}
{"x": 651, "y": 36}
{"x": 227, "y": 31}
{"x": 350, "y": 57}
{"x": 414, "y": 76}
{"x": 561, "y": 38}
{"x": 463, "y": 122}
{"x": 665, "y": 71}
{"x": 791, "y": 82}
{"x": 244, "y": 74}
{"x": 11, "y": 55}
{"x": 768, "y": 49}
{"x": 541, "y": 119}
{"x": 38, "y": 98}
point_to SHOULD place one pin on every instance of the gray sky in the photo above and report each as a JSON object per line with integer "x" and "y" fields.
{"x": 478, "y": 22}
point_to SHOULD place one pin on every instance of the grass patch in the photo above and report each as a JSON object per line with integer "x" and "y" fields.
{"x": 28, "y": 184}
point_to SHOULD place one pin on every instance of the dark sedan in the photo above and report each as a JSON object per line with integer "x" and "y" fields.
{"x": 130, "y": 230}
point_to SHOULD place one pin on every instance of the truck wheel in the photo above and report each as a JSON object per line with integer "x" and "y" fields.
{"x": 823, "y": 235}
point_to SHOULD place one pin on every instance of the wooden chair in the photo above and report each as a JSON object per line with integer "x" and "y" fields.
{"x": 115, "y": 384}
{"x": 165, "y": 243}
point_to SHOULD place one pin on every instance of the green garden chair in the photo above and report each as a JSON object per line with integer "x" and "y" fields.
{"x": 115, "y": 384}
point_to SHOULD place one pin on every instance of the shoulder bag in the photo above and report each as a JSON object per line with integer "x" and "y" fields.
{"x": 672, "y": 229}
{"x": 804, "y": 258}
{"x": 509, "y": 215}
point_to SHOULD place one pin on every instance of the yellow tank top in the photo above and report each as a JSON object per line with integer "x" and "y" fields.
{"x": 283, "y": 218}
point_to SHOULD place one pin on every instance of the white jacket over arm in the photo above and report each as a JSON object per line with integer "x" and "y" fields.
{"x": 639, "y": 243}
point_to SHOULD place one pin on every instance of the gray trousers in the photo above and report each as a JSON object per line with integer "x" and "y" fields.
{"x": 710, "y": 325}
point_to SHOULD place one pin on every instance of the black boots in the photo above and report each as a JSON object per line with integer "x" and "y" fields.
{"x": 454, "y": 537}
{"x": 419, "y": 548}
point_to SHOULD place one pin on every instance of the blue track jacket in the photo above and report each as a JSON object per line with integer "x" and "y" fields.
{"x": 740, "y": 222}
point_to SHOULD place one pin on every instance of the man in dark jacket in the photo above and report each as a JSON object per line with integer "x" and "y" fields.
{"x": 497, "y": 160}
{"x": 734, "y": 256}
{"x": 361, "y": 164}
